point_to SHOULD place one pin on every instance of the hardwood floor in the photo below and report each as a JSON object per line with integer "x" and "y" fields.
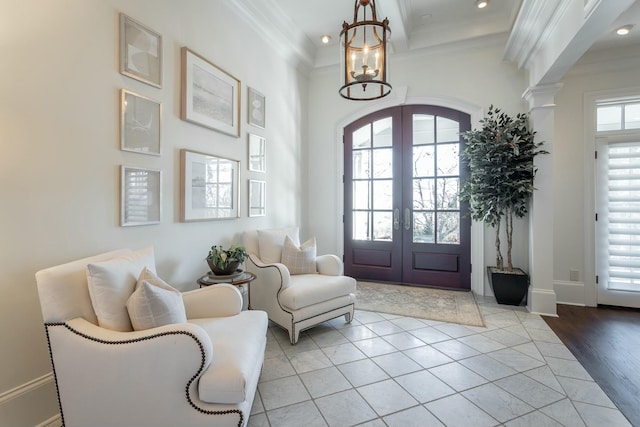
{"x": 606, "y": 341}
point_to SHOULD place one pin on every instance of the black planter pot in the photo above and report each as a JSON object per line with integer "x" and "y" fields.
{"x": 509, "y": 288}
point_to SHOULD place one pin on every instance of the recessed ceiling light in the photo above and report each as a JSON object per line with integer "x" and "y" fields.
{"x": 326, "y": 39}
{"x": 481, "y": 4}
{"x": 623, "y": 31}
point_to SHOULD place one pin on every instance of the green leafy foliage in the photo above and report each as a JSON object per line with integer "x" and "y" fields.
{"x": 500, "y": 158}
{"x": 221, "y": 258}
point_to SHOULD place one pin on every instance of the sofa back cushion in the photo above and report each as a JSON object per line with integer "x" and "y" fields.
{"x": 112, "y": 282}
{"x": 271, "y": 243}
{"x": 63, "y": 290}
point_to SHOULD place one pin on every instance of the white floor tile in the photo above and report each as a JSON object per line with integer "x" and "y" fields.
{"x": 413, "y": 417}
{"x": 386, "y": 397}
{"x": 529, "y": 390}
{"x": 457, "y": 376}
{"x": 362, "y": 372}
{"x": 595, "y": 416}
{"x": 346, "y": 408}
{"x": 396, "y": 364}
{"x": 424, "y": 386}
{"x": 282, "y": 392}
{"x": 585, "y": 392}
{"x": 487, "y": 367}
{"x": 514, "y": 371}
{"x": 301, "y": 414}
{"x": 564, "y": 412}
{"x": 427, "y": 356}
{"x": 456, "y": 411}
{"x": 455, "y": 349}
{"x": 324, "y": 381}
{"x": 496, "y": 402}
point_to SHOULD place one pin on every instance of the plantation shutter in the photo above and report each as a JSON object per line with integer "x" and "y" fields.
{"x": 622, "y": 215}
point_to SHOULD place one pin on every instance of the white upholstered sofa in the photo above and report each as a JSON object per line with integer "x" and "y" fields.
{"x": 200, "y": 372}
{"x": 296, "y": 300}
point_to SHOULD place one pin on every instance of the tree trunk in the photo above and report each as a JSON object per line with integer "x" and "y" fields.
{"x": 509, "y": 226}
{"x": 499, "y": 259}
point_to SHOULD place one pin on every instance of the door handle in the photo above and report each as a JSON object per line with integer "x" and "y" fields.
{"x": 407, "y": 219}
{"x": 396, "y": 219}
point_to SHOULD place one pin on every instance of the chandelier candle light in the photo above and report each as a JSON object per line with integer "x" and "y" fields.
{"x": 364, "y": 65}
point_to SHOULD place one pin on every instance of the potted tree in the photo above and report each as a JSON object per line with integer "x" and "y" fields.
{"x": 500, "y": 158}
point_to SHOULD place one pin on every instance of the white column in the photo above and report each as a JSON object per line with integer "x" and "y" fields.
{"x": 542, "y": 296}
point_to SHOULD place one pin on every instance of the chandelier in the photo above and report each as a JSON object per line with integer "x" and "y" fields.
{"x": 364, "y": 66}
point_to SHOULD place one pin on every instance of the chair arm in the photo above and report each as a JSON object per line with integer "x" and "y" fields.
{"x": 100, "y": 372}
{"x": 103, "y": 336}
{"x": 219, "y": 300}
{"x": 272, "y": 273}
{"x": 331, "y": 265}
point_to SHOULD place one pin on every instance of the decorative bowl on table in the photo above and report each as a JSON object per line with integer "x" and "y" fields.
{"x": 225, "y": 262}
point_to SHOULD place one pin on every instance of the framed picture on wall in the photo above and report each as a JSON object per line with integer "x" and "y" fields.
{"x": 140, "y": 52}
{"x": 256, "y": 108}
{"x": 140, "y": 196}
{"x": 210, "y": 95}
{"x": 257, "y": 153}
{"x": 140, "y": 121}
{"x": 210, "y": 188}
{"x": 257, "y": 198}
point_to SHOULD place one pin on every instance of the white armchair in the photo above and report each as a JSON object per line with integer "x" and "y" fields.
{"x": 296, "y": 302}
{"x": 200, "y": 373}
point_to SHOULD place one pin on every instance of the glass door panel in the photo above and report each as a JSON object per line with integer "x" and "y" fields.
{"x": 402, "y": 214}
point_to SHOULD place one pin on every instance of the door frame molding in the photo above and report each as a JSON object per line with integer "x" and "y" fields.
{"x": 588, "y": 293}
{"x": 399, "y": 97}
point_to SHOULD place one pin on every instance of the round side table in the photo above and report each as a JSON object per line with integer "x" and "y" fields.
{"x": 239, "y": 280}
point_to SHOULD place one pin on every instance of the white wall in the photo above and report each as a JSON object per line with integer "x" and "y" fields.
{"x": 473, "y": 74}
{"x": 600, "y": 74}
{"x": 59, "y": 167}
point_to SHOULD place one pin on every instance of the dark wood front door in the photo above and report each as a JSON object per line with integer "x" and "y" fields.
{"x": 403, "y": 222}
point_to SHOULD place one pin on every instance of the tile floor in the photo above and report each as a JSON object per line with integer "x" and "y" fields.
{"x": 387, "y": 370}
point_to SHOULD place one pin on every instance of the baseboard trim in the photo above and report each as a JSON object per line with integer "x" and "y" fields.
{"x": 25, "y": 388}
{"x": 542, "y": 302}
{"x": 55, "y": 421}
{"x": 569, "y": 293}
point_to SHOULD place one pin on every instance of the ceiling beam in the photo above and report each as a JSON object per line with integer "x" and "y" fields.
{"x": 394, "y": 10}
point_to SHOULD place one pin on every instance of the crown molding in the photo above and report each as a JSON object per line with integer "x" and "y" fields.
{"x": 269, "y": 21}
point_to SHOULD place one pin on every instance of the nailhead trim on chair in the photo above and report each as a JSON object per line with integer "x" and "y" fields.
{"x": 204, "y": 411}
{"x": 293, "y": 323}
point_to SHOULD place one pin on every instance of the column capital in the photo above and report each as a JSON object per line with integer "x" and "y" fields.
{"x": 541, "y": 96}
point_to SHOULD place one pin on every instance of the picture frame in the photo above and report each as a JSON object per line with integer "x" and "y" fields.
{"x": 140, "y": 196}
{"x": 256, "y": 108}
{"x": 140, "y": 123}
{"x": 210, "y": 187}
{"x": 257, "y": 198}
{"x": 140, "y": 52}
{"x": 210, "y": 96}
{"x": 257, "y": 153}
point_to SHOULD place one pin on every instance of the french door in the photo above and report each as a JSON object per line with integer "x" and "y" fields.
{"x": 618, "y": 220}
{"x": 403, "y": 221}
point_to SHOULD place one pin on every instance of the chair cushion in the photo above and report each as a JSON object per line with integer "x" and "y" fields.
{"x": 271, "y": 242}
{"x": 299, "y": 260}
{"x": 112, "y": 282}
{"x": 154, "y": 303}
{"x": 238, "y": 350}
{"x": 308, "y": 289}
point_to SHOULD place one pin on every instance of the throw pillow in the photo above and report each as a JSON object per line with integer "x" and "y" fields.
{"x": 299, "y": 260}
{"x": 112, "y": 282}
{"x": 154, "y": 303}
{"x": 270, "y": 243}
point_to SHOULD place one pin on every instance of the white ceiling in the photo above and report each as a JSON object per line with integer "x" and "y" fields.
{"x": 415, "y": 24}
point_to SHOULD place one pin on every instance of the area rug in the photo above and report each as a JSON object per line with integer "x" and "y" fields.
{"x": 425, "y": 303}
